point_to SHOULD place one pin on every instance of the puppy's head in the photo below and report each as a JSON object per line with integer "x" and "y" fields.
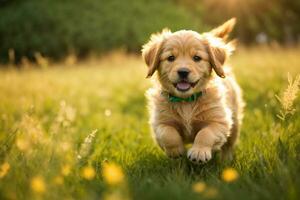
{"x": 185, "y": 60}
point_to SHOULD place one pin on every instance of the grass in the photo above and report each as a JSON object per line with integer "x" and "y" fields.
{"x": 60, "y": 126}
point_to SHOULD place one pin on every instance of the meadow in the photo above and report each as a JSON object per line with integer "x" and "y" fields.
{"x": 79, "y": 130}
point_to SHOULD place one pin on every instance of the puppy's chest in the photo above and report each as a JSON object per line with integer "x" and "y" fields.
{"x": 186, "y": 113}
{"x": 187, "y": 116}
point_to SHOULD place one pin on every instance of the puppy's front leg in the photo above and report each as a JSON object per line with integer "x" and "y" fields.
{"x": 169, "y": 140}
{"x": 213, "y": 136}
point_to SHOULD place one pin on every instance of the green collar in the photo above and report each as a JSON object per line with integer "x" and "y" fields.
{"x": 174, "y": 99}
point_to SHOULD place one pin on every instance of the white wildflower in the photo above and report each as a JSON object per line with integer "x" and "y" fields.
{"x": 86, "y": 146}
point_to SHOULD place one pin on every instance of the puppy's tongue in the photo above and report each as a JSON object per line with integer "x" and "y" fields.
{"x": 183, "y": 85}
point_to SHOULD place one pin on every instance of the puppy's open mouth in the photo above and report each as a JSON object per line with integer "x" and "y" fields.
{"x": 184, "y": 85}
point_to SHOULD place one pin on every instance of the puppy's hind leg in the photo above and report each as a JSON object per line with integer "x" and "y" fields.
{"x": 227, "y": 149}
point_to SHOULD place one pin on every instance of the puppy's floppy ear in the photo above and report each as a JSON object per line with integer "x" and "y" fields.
{"x": 151, "y": 51}
{"x": 217, "y": 57}
{"x": 223, "y": 30}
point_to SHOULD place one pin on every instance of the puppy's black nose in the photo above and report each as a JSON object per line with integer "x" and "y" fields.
{"x": 183, "y": 72}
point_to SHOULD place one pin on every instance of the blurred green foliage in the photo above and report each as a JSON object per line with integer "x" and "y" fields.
{"x": 55, "y": 27}
{"x": 277, "y": 20}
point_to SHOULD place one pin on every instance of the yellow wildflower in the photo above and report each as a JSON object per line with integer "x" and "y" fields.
{"x": 4, "y": 169}
{"x": 229, "y": 175}
{"x": 88, "y": 173}
{"x": 112, "y": 173}
{"x": 38, "y": 184}
{"x": 66, "y": 170}
{"x": 199, "y": 187}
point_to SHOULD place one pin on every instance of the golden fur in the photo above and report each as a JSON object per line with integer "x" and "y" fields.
{"x": 212, "y": 121}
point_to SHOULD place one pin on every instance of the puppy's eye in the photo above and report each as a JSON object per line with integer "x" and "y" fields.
{"x": 197, "y": 58}
{"x": 171, "y": 58}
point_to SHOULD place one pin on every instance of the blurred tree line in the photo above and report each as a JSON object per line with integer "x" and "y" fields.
{"x": 275, "y": 20}
{"x": 55, "y": 28}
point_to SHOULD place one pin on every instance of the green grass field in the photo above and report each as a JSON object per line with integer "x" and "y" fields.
{"x": 60, "y": 125}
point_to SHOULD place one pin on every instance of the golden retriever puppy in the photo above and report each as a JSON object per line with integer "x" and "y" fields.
{"x": 195, "y": 98}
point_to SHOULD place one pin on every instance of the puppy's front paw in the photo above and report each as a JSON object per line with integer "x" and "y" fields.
{"x": 175, "y": 151}
{"x": 199, "y": 154}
